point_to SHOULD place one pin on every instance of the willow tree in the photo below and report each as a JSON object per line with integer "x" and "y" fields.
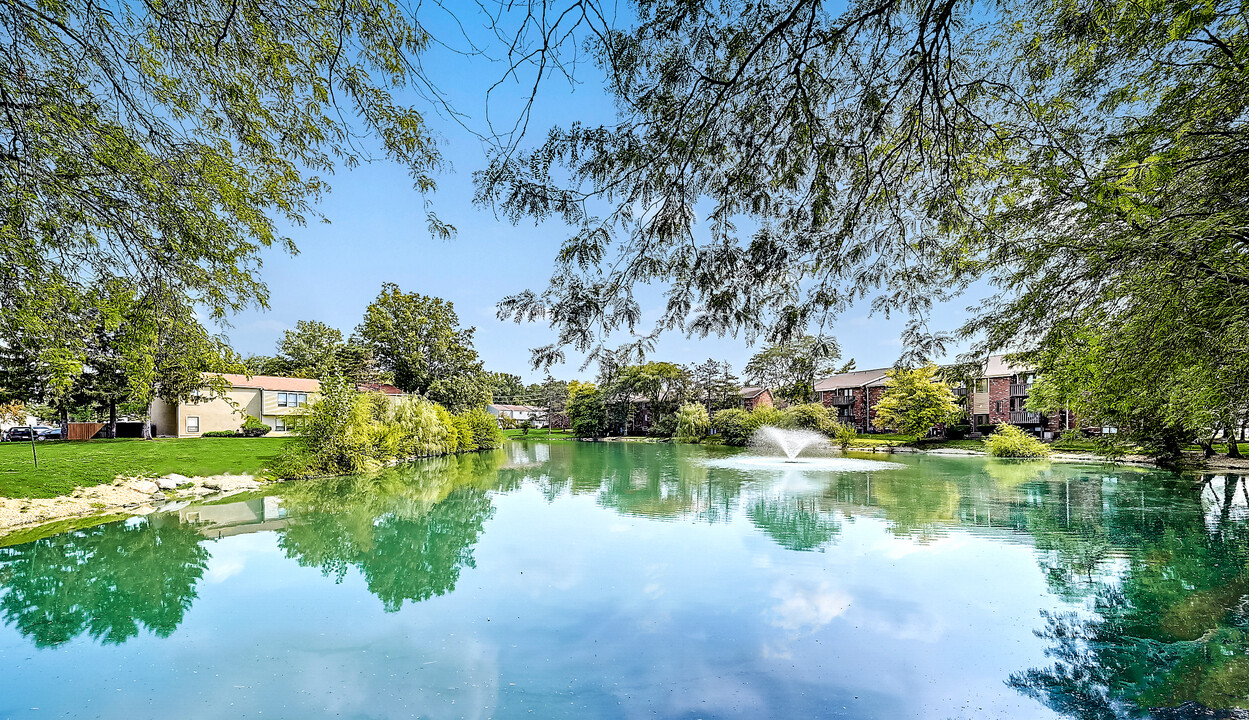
{"x": 772, "y": 164}
{"x": 164, "y": 145}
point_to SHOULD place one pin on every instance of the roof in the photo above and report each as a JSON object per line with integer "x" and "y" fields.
{"x": 382, "y": 388}
{"x": 854, "y": 379}
{"x": 996, "y": 366}
{"x": 752, "y": 392}
{"x": 517, "y": 408}
{"x": 270, "y": 382}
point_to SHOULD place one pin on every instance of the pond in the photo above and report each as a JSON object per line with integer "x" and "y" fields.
{"x": 629, "y": 580}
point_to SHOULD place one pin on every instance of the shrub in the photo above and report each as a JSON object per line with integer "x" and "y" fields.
{"x": 483, "y": 428}
{"x": 525, "y": 426}
{"x": 733, "y": 426}
{"x": 811, "y": 416}
{"x": 254, "y": 427}
{"x": 219, "y": 433}
{"x": 957, "y": 432}
{"x": 986, "y": 429}
{"x": 507, "y": 423}
{"x": 664, "y": 427}
{"x": 844, "y": 434}
{"x": 692, "y": 423}
{"x": 346, "y": 432}
{"x": 1011, "y": 442}
{"x": 763, "y": 415}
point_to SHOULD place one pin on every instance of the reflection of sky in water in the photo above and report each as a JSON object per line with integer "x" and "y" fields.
{"x": 578, "y": 604}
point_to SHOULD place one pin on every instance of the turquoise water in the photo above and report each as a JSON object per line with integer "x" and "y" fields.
{"x": 621, "y": 580}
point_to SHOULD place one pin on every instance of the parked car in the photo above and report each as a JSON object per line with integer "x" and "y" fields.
{"x": 22, "y": 433}
{"x": 47, "y": 433}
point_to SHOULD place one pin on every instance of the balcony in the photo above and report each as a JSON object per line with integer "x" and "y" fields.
{"x": 843, "y": 400}
{"x": 1023, "y": 417}
{"x": 1020, "y": 389}
{"x": 960, "y": 391}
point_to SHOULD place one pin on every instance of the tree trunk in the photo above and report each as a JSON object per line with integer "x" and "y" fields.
{"x": 147, "y": 427}
{"x": 112, "y": 419}
{"x": 1233, "y": 450}
{"x": 65, "y": 423}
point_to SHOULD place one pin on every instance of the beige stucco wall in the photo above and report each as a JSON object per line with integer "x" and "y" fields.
{"x": 223, "y": 413}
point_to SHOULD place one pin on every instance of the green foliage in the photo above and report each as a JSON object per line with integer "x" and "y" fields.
{"x": 161, "y": 147}
{"x": 764, "y": 415}
{"x": 254, "y": 427}
{"x": 915, "y": 401}
{"x": 733, "y": 426}
{"x": 419, "y": 340}
{"x": 220, "y": 434}
{"x": 507, "y": 422}
{"x": 350, "y": 432}
{"x": 692, "y": 423}
{"x": 586, "y": 411}
{"x": 790, "y": 369}
{"x": 810, "y": 416}
{"x": 845, "y": 435}
{"x": 1010, "y": 441}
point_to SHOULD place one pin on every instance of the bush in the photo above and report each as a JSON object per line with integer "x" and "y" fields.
{"x": 957, "y": 432}
{"x": 346, "y": 432}
{"x": 507, "y": 423}
{"x": 219, "y": 433}
{"x": 812, "y": 416}
{"x": 763, "y": 415}
{"x": 733, "y": 426}
{"x": 844, "y": 434}
{"x": 1011, "y": 442}
{"x": 986, "y": 429}
{"x": 587, "y": 414}
{"x": 254, "y": 427}
{"x": 692, "y": 423}
{"x": 664, "y": 427}
{"x": 483, "y": 429}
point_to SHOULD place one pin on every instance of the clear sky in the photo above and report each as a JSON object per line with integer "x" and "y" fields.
{"x": 377, "y": 234}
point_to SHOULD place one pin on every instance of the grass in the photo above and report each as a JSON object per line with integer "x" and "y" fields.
{"x": 538, "y": 434}
{"x": 64, "y": 466}
{"x": 882, "y": 440}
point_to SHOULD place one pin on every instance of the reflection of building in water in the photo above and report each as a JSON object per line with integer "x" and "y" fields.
{"x": 236, "y": 518}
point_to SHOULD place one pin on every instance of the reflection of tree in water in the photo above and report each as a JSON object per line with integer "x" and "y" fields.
{"x": 1172, "y": 631}
{"x": 795, "y": 523}
{"x": 408, "y": 531}
{"x": 107, "y": 581}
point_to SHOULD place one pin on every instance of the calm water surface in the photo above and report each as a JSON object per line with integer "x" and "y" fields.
{"x": 648, "y": 581}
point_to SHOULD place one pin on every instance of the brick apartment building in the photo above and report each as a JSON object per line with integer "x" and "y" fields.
{"x": 1000, "y": 395}
{"x": 854, "y": 396}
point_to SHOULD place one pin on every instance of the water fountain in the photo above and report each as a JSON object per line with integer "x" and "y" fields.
{"x": 782, "y": 449}
{"x": 791, "y": 442}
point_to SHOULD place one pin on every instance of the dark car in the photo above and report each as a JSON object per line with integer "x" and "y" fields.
{"x": 20, "y": 434}
{"x": 48, "y": 433}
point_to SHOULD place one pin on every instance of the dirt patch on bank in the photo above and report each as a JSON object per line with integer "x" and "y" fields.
{"x": 137, "y": 496}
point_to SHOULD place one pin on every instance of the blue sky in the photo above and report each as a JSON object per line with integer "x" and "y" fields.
{"x": 377, "y": 234}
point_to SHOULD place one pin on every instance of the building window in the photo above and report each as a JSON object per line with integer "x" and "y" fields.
{"x": 982, "y": 385}
{"x": 303, "y": 400}
{"x": 998, "y": 406}
{"x": 279, "y": 424}
{"x": 192, "y": 423}
{"x": 281, "y": 399}
{"x": 292, "y": 399}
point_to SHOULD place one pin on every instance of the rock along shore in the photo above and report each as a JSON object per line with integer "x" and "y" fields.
{"x": 132, "y": 496}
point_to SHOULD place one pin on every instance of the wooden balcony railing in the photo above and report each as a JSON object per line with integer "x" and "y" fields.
{"x": 1023, "y": 417}
{"x": 1020, "y": 389}
{"x": 843, "y": 400}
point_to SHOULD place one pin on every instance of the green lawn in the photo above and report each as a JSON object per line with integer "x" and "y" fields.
{"x": 64, "y": 466}
{"x": 538, "y": 434}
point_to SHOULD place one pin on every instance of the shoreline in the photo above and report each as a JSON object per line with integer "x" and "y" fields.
{"x": 128, "y": 497}
{"x": 124, "y": 497}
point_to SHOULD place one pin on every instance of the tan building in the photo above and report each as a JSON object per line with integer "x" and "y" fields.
{"x": 272, "y": 399}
